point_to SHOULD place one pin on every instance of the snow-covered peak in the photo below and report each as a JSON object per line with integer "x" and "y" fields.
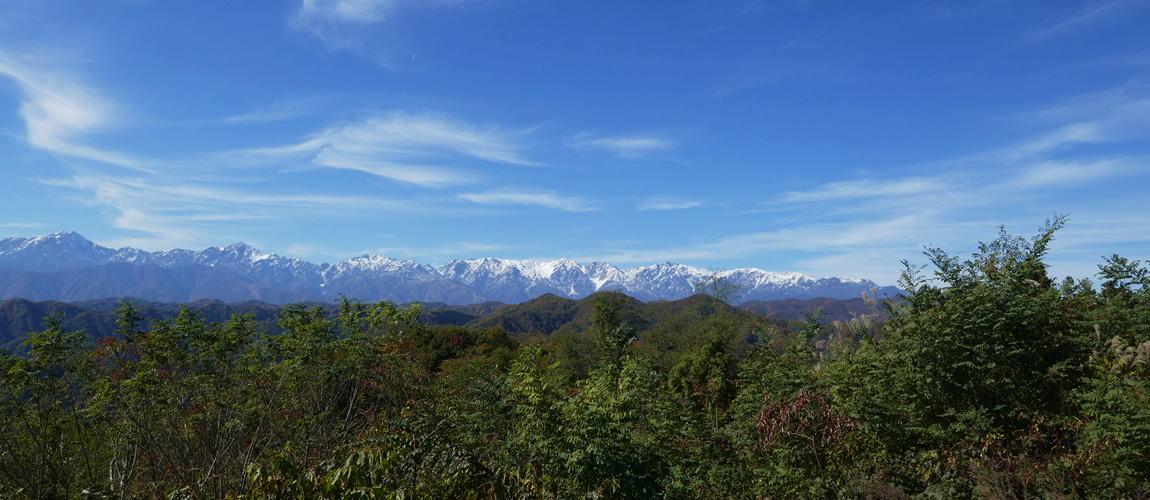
{"x": 377, "y": 264}
{"x": 60, "y": 236}
{"x": 69, "y": 240}
{"x": 52, "y": 252}
{"x": 761, "y": 277}
{"x": 236, "y": 252}
{"x": 176, "y": 257}
{"x": 509, "y": 280}
{"x": 129, "y": 255}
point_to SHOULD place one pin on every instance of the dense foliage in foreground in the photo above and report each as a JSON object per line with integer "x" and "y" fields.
{"x": 995, "y": 382}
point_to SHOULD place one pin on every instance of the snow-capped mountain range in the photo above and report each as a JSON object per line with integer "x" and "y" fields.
{"x": 68, "y": 267}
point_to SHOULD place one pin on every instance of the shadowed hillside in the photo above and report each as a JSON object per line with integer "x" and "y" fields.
{"x": 97, "y": 318}
{"x": 543, "y": 316}
{"x": 797, "y": 309}
{"x": 550, "y": 314}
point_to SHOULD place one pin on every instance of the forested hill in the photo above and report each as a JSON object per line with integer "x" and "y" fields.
{"x": 97, "y": 318}
{"x": 551, "y": 314}
{"x": 544, "y": 315}
{"x": 797, "y": 309}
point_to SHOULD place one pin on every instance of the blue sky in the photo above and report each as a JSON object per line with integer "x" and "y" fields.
{"x": 831, "y": 138}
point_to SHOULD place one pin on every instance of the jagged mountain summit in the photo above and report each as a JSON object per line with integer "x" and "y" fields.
{"x": 66, "y": 266}
{"x": 519, "y": 280}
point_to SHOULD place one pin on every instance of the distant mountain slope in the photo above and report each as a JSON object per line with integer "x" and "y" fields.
{"x": 551, "y": 314}
{"x": 180, "y": 284}
{"x": 473, "y": 309}
{"x": 66, "y": 266}
{"x": 546, "y": 315}
{"x": 539, "y": 316}
{"x": 18, "y": 317}
{"x": 97, "y": 318}
{"x": 797, "y": 309}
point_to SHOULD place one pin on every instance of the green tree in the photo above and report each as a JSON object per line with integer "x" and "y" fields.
{"x": 706, "y": 376}
{"x": 612, "y": 327}
{"x": 1125, "y": 300}
{"x": 993, "y": 350}
{"x": 49, "y": 438}
{"x": 1114, "y": 398}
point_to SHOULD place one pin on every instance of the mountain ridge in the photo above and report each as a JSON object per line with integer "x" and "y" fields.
{"x": 66, "y": 266}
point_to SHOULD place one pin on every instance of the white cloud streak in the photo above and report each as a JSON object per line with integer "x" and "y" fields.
{"x": 1054, "y": 173}
{"x": 455, "y": 250}
{"x": 361, "y": 12}
{"x": 1077, "y": 21}
{"x": 279, "y": 111}
{"x": 414, "y": 174}
{"x": 867, "y": 188}
{"x": 355, "y": 25}
{"x": 397, "y": 146}
{"x": 624, "y": 146}
{"x": 1064, "y": 137}
{"x": 177, "y": 212}
{"x": 519, "y": 196}
{"x": 1111, "y": 116}
{"x": 870, "y": 223}
{"x": 347, "y": 11}
{"x": 668, "y": 204}
{"x": 58, "y": 112}
{"x": 995, "y": 176}
{"x": 904, "y": 233}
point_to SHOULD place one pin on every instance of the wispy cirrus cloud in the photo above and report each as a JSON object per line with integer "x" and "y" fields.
{"x": 1113, "y": 115}
{"x": 624, "y": 146}
{"x": 353, "y": 25}
{"x": 452, "y": 250}
{"x": 524, "y": 196}
{"x": 668, "y": 204}
{"x": 1106, "y": 117}
{"x": 1077, "y": 146}
{"x": 340, "y": 24}
{"x": 1048, "y": 158}
{"x": 972, "y": 190}
{"x": 1080, "y": 20}
{"x": 179, "y": 194}
{"x": 175, "y": 211}
{"x": 347, "y": 11}
{"x": 1064, "y": 137}
{"x": 423, "y": 175}
{"x": 400, "y": 146}
{"x": 278, "y": 111}
{"x": 867, "y": 188}
{"x": 1066, "y": 173}
{"x": 312, "y": 12}
{"x": 902, "y": 232}
{"x": 58, "y": 112}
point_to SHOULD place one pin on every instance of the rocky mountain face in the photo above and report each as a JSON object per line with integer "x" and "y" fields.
{"x": 68, "y": 267}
